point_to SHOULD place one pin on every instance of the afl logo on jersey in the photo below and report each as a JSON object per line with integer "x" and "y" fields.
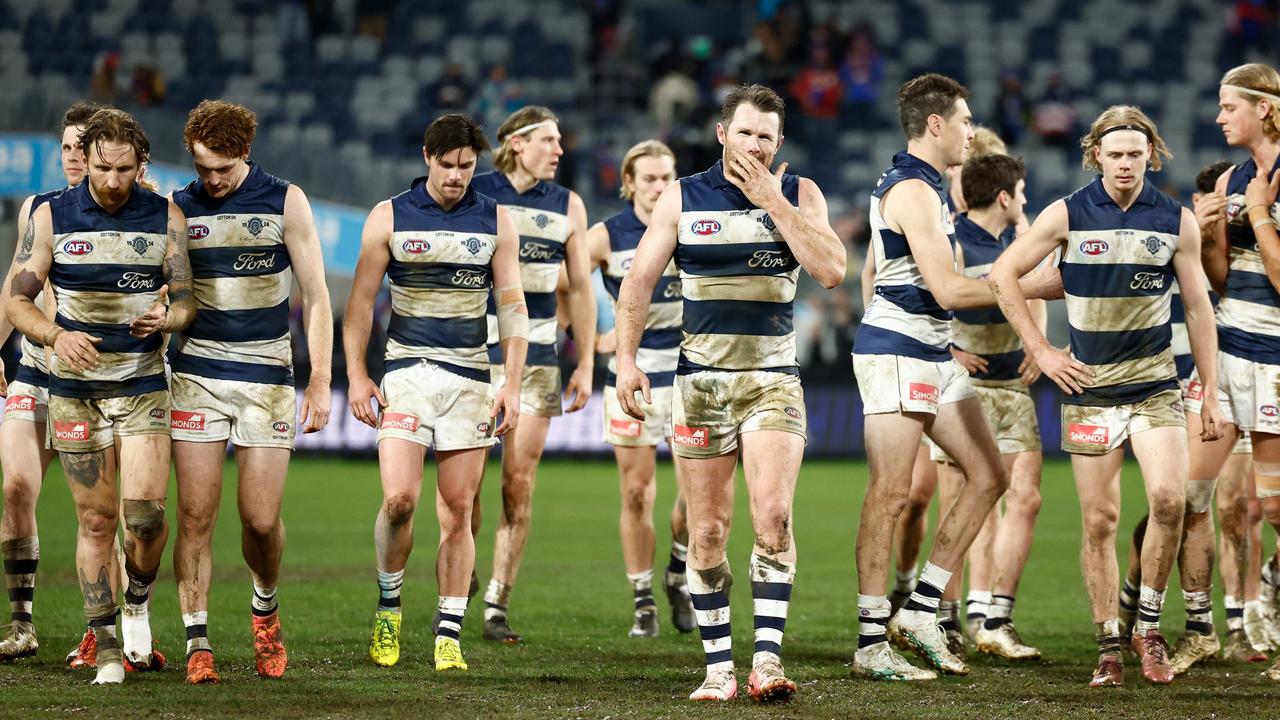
{"x": 1094, "y": 247}
{"x": 78, "y": 247}
{"x": 197, "y": 232}
{"x": 416, "y": 246}
{"x": 705, "y": 227}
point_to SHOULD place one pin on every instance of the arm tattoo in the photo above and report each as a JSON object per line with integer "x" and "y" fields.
{"x": 84, "y": 469}
{"x": 177, "y": 269}
{"x": 28, "y": 241}
{"x": 97, "y": 593}
{"x": 26, "y": 284}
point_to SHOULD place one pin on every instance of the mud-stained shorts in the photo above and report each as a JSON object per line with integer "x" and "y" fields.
{"x": 1089, "y": 430}
{"x": 539, "y": 389}
{"x": 1249, "y": 393}
{"x": 434, "y": 407}
{"x": 1193, "y": 394}
{"x": 26, "y": 402}
{"x": 622, "y": 430}
{"x": 710, "y": 409}
{"x": 249, "y": 414}
{"x": 79, "y": 426}
{"x": 1011, "y": 414}
{"x": 896, "y": 383}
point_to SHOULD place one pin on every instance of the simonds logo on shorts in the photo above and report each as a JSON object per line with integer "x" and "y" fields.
{"x": 692, "y": 436}
{"x": 1195, "y": 391}
{"x": 70, "y": 430}
{"x": 399, "y": 421}
{"x": 1088, "y": 434}
{"x": 625, "y": 428}
{"x": 20, "y": 402}
{"x": 922, "y": 391}
{"x": 183, "y": 420}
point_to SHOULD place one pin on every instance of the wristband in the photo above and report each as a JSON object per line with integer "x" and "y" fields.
{"x": 1265, "y": 221}
{"x": 51, "y": 335}
{"x": 1258, "y": 205}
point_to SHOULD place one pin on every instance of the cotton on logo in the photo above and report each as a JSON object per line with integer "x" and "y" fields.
{"x": 183, "y": 420}
{"x": 1088, "y": 434}
{"x": 705, "y": 227}
{"x": 922, "y": 391}
{"x": 1094, "y": 247}
{"x": 693, "y": 437}
{"x": 625, "y": 428}
{"x": 78, "y": 247}
{"x": 416, "y": 246}
{"x": 70, "y": 430}
{"x": 1269, "y": 410}
{"x": 1195, "y": 391}
{"x": 399, "y": 421}
{"x": 20, "y": 402}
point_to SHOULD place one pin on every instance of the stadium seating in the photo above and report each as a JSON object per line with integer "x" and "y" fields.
{"x": 366, "y": 99}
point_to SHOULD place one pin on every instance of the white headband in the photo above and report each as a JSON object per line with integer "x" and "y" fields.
{"x": 530, "y": 128}
{"x": 1275, "y": 99}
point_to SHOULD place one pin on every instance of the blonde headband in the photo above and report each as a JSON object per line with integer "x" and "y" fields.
{"x": 530, "y": 128}
{"x": 1275, "y": 99}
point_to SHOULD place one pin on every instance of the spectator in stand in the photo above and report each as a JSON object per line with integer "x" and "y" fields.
{"x": 102, "y": 86}
{"x": 674, "y": 97}
{"x": 816, "y": 90}
{"x": 860, "y": 76}
{"x": 1012, "y": 109}
{"x": 1252, "y": 24}
{"x": 1055, "y": 119}
{"x": 452, "y": 91}
{"x": 498, "y": 97}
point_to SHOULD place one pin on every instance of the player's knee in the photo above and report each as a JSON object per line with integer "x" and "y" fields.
{"x": 1100, "y": 525}
{"x": 1025, "y": 500}
{"x": 260, "y": 528}
{"x": 20, "y": 491}
{"x": 98, "y": 524}
{"x": 1199, "y": 496}
{"x": 1271, "y": 509}
{"x": 398, "y": 509}
{"x": 637, "y": 500}
{"x": 1167, "y": 507}
{"x": 772, "y": 513}
{"x": 711, "y": 533}
{"x": 144, "y": 519}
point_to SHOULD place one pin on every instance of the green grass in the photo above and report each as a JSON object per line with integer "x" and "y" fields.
{"x": 573, "y": 606}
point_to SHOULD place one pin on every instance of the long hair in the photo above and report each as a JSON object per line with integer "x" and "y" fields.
{"x": 1119, "y": 116}
{"x": 646, "y": 148}
{"x": 1255, "y": 78}
{"x": 519, "y": 122}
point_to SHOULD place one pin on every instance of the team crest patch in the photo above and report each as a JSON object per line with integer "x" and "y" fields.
{"x": 541, "y": 220}
{"x": 472, "y": 245}
{"x": 140, "y": 244}
{"x": 1154, "y": 244}
{"x": 767, "y": 222}
{"x": 256, "y": 225}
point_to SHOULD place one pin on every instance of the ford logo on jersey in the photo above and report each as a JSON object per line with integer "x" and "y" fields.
{"x": 1094, "y": 247}
{"x": 78, "y": 247}
{"x": 705, "y": 227}
{"x": 197, "y": 232}
{"x": 416, "y": 246}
